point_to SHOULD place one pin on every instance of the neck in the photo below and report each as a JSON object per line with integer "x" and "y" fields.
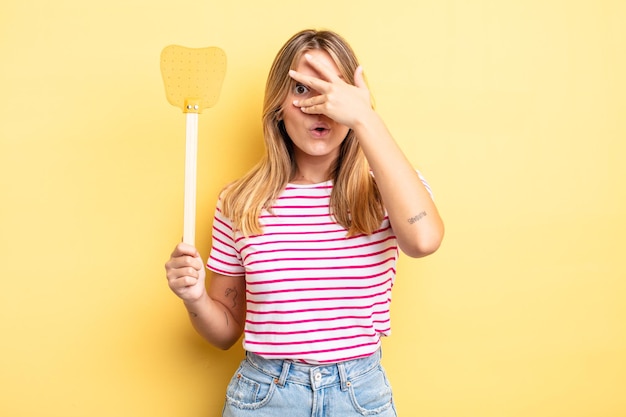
{"x": 310, "y": 178}
{"x": 311, "y": 171}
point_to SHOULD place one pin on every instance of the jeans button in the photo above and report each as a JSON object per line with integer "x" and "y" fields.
{"x": 318, "y": 377}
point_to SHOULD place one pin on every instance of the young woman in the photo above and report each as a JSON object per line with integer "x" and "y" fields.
{"x": 305, "y": 245}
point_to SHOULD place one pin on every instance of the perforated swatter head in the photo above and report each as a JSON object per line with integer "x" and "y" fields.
{"x": 192, "y": 76}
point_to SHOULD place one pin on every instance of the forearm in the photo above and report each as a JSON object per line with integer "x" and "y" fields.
{"x": 412, "y": 212}
{"x": 214, "y": 322}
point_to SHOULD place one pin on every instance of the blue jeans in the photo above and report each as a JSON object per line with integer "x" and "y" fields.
{"x": 277, "y": 388}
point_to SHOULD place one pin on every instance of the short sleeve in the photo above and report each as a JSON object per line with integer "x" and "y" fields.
{"x": 224, "y": 258}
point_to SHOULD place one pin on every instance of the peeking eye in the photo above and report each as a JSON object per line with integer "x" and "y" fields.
{"x": 300, "y": 89}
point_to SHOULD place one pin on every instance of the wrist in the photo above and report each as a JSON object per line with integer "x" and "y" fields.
{"x": 194, "y": 304}
{"x": 366, "y": 120}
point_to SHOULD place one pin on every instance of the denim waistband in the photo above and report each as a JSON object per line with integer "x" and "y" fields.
{"x": 315, "y": 376}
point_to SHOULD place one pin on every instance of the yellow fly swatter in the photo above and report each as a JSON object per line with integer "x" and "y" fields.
{"x": 193, "y": 79}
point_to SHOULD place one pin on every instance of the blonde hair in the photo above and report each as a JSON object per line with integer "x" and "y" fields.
{"x": 355, "y": 201}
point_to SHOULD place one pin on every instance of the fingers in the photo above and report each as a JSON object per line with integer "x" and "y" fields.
{"x": 313, "y": 83}
{"x": 359, "y": 79}
{"x": 184, "y": 256}
{"x": 181, "y": 283}
{"x": 321, "y": 84}
{"x": 311, "y": 105}
{"x": 185, "y": 272}
{"x": 322, "y": 68}
{"x": 333, "y": 96}
{"x": 183, "y": 249}
{"x": 332, "y": 85}
{"x": 185, "y": 261}
{"x": 328, "y": 76}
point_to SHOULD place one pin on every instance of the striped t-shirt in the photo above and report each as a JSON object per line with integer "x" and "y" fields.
{"x": 313, "y": 294}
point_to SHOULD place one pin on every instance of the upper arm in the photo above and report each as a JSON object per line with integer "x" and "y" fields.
{"x": 230, "y": 291}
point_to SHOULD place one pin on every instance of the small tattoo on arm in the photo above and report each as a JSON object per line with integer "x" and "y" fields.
{"x": 417, "y": 218}
{"x": 232, "y": 291}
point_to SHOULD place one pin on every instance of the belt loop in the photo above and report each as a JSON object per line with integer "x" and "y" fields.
{"x": 283, "y": 374}
{"x": 343, "y": 376}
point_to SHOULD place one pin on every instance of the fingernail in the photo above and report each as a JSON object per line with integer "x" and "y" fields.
{"x": 295, "y": 102}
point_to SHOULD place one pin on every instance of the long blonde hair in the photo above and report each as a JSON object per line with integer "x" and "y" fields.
{"x": 355, "y": 201}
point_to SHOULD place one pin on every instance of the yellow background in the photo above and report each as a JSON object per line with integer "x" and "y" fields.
{"x": 514, "y": 110}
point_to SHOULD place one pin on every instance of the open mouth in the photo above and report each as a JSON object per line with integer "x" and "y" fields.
{"x": 319, "y": 132}
{"x": 319, "y": 129}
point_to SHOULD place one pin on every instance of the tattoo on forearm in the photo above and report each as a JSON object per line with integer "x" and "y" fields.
{"x": 417, "y": 218}
{"x": 232, "y": 291}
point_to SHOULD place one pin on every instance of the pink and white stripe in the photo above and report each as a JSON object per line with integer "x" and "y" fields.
{"x": 313, "y": 294}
